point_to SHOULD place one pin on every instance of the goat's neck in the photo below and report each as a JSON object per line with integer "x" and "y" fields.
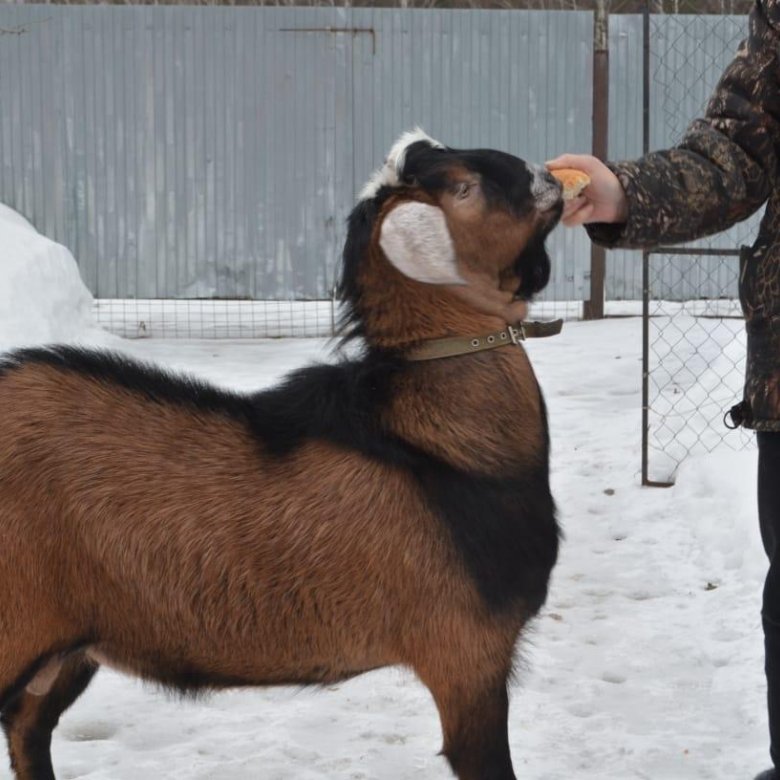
{"x": 433, "y": 314}
{"x": 399, "y": 312}
{"x": 481, "y": 413}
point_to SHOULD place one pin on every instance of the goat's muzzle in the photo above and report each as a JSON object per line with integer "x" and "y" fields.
{"x": 548, "y": 194}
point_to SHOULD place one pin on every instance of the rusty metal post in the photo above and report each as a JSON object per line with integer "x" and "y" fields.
{"x": 594, "y": 308}
{"x": 645, "y": 255}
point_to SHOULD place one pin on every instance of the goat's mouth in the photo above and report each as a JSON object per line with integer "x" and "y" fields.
{"x": 551, "y": 211}
{"x": 547, "y": 219}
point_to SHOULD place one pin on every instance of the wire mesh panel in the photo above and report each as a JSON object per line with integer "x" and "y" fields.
{"x": 694, "y": 331}
{"x": 216, "y": 319}
{"x": 696, "y": 359}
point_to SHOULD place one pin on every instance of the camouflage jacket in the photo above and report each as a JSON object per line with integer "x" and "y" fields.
{"x": 725, "y": 169}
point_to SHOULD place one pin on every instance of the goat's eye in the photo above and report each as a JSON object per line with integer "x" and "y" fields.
{"x": 463, "y": 188}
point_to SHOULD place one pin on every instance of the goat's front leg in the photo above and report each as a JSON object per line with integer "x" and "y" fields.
{"x": 474, "y": 721}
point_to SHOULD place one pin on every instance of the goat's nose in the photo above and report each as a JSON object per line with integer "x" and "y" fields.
{"x": 545, "y": 188}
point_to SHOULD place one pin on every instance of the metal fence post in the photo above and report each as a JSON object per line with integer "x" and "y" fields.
{"x": 645, "y": 256}
{"x": 594, "y": 308}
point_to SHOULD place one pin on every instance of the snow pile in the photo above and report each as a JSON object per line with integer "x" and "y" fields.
{"x": 42, "y": 297}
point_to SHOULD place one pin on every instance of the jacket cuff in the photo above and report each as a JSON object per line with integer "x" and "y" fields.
{"x": 606, "y": 234}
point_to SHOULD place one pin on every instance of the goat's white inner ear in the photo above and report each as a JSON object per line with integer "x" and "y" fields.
{"x": 417, "y": 241}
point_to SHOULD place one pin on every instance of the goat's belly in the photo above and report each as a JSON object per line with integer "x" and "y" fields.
{"x": 189, "y": 674}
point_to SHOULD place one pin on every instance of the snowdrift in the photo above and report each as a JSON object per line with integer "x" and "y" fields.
{"x": 42, "y": 297}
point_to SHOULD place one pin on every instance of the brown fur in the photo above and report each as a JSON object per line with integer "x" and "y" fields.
{"x": 207, "y": 594}
{"x": 483, "y": 401}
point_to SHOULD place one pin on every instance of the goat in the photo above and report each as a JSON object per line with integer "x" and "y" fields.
{"x": 383, "y": 510}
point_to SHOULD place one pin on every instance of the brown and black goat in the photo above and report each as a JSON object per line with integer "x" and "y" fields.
{"x": 383, "y": 510}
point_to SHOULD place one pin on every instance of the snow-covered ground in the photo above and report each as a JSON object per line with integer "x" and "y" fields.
{"x": 645, "y": 663}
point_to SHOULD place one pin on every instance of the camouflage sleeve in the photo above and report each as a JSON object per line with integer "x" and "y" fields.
{"x": 721, "y": 172}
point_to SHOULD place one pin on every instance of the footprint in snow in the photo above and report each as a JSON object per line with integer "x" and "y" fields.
{"x": 90, "y": 732}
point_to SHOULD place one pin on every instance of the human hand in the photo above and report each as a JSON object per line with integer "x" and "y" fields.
{"x": 603, "y": 200}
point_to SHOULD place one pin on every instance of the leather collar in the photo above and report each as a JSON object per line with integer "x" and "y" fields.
{"x": 466, "y": 345}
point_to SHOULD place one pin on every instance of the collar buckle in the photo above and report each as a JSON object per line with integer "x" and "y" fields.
{"x": 516, "y": 334}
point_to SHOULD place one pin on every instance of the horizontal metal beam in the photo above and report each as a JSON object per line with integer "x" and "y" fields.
{"x": 706, "y": 252}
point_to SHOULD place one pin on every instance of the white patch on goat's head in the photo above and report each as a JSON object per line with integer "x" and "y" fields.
{"x": 545, "y": 188}
{"x": 389, "y": 175}
{"x": 416, "y": 240}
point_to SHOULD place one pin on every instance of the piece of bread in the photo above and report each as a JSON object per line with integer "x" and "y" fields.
{"x": 573, "y": 181}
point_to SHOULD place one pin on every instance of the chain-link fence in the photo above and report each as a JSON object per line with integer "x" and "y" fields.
{"x": 694, "y": 351}
{"x": 696, "y": 360}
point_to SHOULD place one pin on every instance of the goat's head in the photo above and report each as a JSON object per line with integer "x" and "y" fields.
{"x": 443, "y": 241}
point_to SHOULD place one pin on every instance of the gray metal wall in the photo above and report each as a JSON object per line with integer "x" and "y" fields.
{"x": 206, "y": 151}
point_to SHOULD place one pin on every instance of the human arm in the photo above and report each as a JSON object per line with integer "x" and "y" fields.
{"x": 719, "y": 174}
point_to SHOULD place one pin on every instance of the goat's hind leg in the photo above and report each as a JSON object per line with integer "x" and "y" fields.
{"x": 29, "y": 719}
{"x": 474, "y": 718}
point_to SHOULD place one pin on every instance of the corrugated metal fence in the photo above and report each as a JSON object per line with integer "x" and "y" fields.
{"x": 199, "y": 152}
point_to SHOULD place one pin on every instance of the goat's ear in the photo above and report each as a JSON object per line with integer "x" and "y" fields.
{"x": 416, "y": 240}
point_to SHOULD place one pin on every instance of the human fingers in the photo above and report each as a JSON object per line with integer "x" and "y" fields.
{"x": 604, "y": 192}
{"x": 572, "y": 206}
{"x": 582, "y": 216}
